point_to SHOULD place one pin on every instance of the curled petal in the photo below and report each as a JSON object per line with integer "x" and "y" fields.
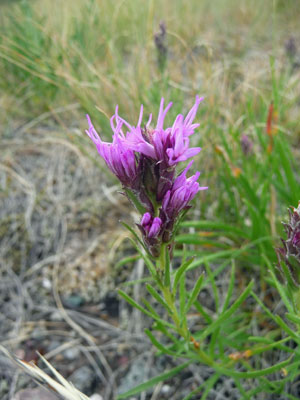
{"x": 162, "y": 114}
{"x": 193, "y": 111}
{"x": 118, "y": 157}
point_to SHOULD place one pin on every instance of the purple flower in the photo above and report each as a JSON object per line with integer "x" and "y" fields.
{"x": 144, "y": 159}
{"x": 151, "y": 225}
{"x": 292, "y": 243}
{"x": 182, "y": 192}
{"x": 160, "y": 41}
{"x": 119, "y": 158}
{"x": 246, "y": 145}
{"x": 170, "y": 145}
{"x": 289, "y": 254}
{"x": 151, "y": 229}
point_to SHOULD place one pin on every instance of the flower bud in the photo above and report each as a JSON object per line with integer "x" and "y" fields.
{"x": 155, "y": 227}
{"x": 146, "y": 220}
{"x": 289, "y": 254}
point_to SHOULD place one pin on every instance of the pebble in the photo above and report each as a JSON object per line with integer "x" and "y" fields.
{"x": 53, "y": 345}
{"x": 73, "y": 301}
{"x": 96, "y": 397}
{"x": 56, "y": 316}
{"x": 3, "y": 386}
{"x": 34, "y": 394}
{"x": 137, "y": 374}
{"x": 165, "y": 389}
{"x": 72, "y": 353}
{"x": 47, "y": 284}
{"x": 82, "y": 378}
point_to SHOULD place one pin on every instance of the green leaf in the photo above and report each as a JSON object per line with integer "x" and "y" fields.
{"x": 281, "y": 290}
{"x": 204, "y": 314}
{"x": 158, "y": 345}
{"x": 179, "y": 273}
{"x": 257, "y": 223}
{"x": 213, "y": 285}
{"x": 230, "y": 287}
{"x": 294, "y": 318}
{"x": 253, "y": 374}
{"x": 150, "y": 308}
{"x": 136, "y": 281}
{"x": 285, "y": 160}
{"x": 133, "y": 232}
{"x": 143, "y": 310}
{"x": 167, "y": 280}
{"x": 196, "y": 239}
{"x": 207, "y": 385}
{"x": 214, "y": 339}
{"x": 147, "y": 260}
{"x": 127, "y": 260}
{"x": 182, "y": 296}
{"x": 195, "y": 293}
{"x": 223, "y": 317}
{"x": 249, "y": 191}
{"x": 159, "y": 327}
{"x": 135, "y": 201}
{"x": 287, "y": 329}
{"x": 210, "y": 257}
{"x": 276, "y": 318}
{"x": 158, "y": 297}
{"x": 153, "y": 381}
{"x": 214, "y": 225}
{"x": 178, "y": 223}
{"x": 227, "y": 254}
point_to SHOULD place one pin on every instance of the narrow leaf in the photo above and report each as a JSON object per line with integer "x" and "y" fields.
{"x": 133, "y": 232}
{"x": 294, "y": 318}
{"x": 158, "y": 345}
{"x": 213, "y": 225}
{"x": 127, "y": 260}
{"x": 223, "y": 317}
{"x": 153, "y": 381}
{"x": 143, "y": 310}
{"x": 135, "y": 201}
{"x": 213, "y": 285}
{"x": 230, "y": 287}
{"x": 167, "y": 267}
{"x": 147, "y": 260}
{"x": 158, "y": 297}
{"x": 194, "y": 293}
{"x": 179, "y": 273}
{"x": 282, "y": 292}
{"x": 204, "y": 314}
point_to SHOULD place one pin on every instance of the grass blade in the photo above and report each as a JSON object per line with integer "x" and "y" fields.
{"x": 153, "y": 381}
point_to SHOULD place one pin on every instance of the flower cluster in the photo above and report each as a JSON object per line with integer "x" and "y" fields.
{"x": 144, "y": 159}
{"x": 289, "y": 254}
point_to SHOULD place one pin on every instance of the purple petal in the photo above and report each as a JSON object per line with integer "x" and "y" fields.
{"x": 187, "y": 154}
{"x": 146, "y": 219}
{"x": 149, "y": 121}
{"x": 192, "y": 113}
{"x": 155, "y": 228}
{"x": 166, "y": 199}
{"x": 162, "y": 114}
{"x": 181, "y": 179}
{"x": 140, "y": 117}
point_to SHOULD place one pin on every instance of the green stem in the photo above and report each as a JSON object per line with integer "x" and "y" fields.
{"x": 161, "y": 262}
{"x": 169, "y": 297}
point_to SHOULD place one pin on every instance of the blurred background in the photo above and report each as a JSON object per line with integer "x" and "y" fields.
{"x": 62, "y": 246}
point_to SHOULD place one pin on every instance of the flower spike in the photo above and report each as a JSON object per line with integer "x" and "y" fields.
{"x": 144, "y": 159}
